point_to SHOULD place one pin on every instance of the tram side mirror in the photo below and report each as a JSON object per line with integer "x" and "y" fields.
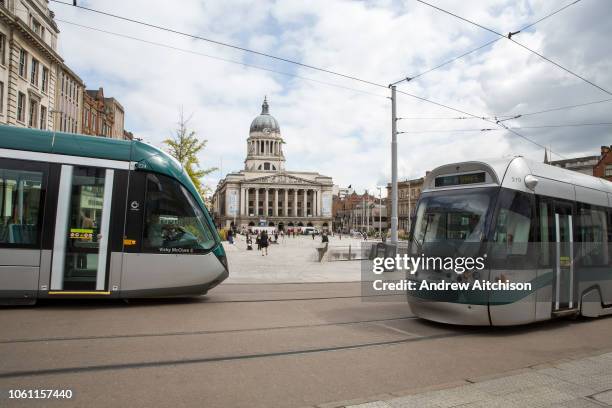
{"x": 531, "y": 181}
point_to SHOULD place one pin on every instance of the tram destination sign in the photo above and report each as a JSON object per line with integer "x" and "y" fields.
{"x": 460, "y": 179}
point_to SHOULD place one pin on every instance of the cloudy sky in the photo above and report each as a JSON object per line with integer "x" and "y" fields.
{"x": 340, "y": 132}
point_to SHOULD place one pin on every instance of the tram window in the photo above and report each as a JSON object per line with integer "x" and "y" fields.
{"x": 452, "y": 218}
{"x": 592, "y": 233}
{"x": 20, "y": 207}
{"x": 174, "y": 223}
{"x": 513, "y": 225}
{"x": 546, "y": 233}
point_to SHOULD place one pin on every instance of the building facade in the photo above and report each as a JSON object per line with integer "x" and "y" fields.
{"x": 353, "y": 212}
{"x": 408, "y": 193}
{"x": 603, "y": 168}
{"x": 103, "y": 116}
{"x": 28, "y": 63}
{"x": 584, "y": 165}
{"x": 596, "y": 165}
{"x": 265, "y": 193}
{"x": 68, "y": 114}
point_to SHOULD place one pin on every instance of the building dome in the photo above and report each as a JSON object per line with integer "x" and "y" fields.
{"x": 265, "y": 122}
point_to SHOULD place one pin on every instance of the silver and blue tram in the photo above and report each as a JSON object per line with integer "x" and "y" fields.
{"x": 84, "y": 216}
{"x": 534, "y": 223}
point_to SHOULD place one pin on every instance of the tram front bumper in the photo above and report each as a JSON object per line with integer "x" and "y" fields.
{"x": 451, "y": 313}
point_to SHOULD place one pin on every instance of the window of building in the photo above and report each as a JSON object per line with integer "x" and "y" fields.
{"x": 21, "y": 107}
{"x": 34, "y": 73}
{"x": 36, "y": 26}
{"x": 608, "y": 170}
{"x": 20, "y": 204}
{"x": 45, "y": 79}
{"x": 2, "y": 49}
{"x": 23, "y": 62}
{"x": 43, "y": 117}
{"x": 33, "y": 122}
{"x": 174, "y": 221}
{"x": 86, "y": 117}
{"x": 1, "y": 98}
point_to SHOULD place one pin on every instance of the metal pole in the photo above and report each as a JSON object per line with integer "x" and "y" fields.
{"x": 380, "y": 212}
{"x": 409, "y": 206}
{"x": 393, "y": 165}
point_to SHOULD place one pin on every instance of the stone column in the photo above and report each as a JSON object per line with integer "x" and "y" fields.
{"x": 286, "y": 204}
{"x": 275, "y": 206}
{"x": 246, "y": 201}
{"x": 295, "y": 198}
{"x": 266, "y": 203}
{"x": 304, "y": 212}
{"x": 256, "y": 206}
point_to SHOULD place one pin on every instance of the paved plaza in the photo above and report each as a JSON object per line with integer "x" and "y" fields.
{"x": 293, "y": 259}
{"x": 579, "y": 383}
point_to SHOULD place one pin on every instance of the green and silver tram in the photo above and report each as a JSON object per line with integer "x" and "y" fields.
{"x": 533, "y": 223}
{"x": 84, "y": 216}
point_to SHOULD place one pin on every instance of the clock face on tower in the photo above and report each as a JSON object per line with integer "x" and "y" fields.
{"x": 267, "y": 131}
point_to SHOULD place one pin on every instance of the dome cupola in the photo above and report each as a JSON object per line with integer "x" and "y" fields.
{"x": 265, "y": 144}
{"x": 265, "y": 123}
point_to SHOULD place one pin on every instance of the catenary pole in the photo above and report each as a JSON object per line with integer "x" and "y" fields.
{"x": 393, "y": 165}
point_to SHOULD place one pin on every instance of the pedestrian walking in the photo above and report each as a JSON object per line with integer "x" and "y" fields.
{"x": 324, "y": 238}
{"x": 263, "y": 240}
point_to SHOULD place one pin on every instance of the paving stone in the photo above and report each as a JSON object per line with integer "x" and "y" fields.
{"x": 605, "y": 397}
{"x": 507, "y": 385}
{"x": 578, "y": 403}
{"x": 535, "y": 397}
{"x": 373, "y": 404}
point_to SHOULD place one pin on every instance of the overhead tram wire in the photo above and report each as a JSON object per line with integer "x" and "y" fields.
{"x": 193, "y": 36}
{"x": 510, "y": 116}
{"x": 217, "y": 58}
{"x": 510, "y": 127}
{"x": 491, "y": 42}
{"x": 497, "y": 123}
{"x": 216, "y": 42}
{"x": 509, "y": 37}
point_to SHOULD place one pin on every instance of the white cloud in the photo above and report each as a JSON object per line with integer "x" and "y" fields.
{"x": 342, "y": 133}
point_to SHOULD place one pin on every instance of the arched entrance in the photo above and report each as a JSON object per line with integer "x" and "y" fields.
{"x": 300, "y": 224}
{"x": 251, "y": 224}
{"x": 325, "y": 226}
{"x": 309, "y": 224}
{"x": 270, "y": 224}
{"x": 281, "y": 226}
{"x": 290, "y": 224}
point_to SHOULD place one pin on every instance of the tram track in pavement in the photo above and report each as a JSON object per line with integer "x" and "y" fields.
{"x": 204, "y": 332}
{"x": 227, "y": 358}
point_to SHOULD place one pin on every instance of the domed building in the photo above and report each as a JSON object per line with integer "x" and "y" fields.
{"x": 265, "y": 193}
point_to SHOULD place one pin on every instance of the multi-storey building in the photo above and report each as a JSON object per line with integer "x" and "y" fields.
{"x": 596, "y": 165}
{"x": 350, "y": 212}
{"x": 28, "y": 63}
{"x": 264, "y": 193}
{"x": 603, "y": 168}
{"x": 408, "y": 193}
{"x": 69, "y": 101}
{"x": 103, "y": 116}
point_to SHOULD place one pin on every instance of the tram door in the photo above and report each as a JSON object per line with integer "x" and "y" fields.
{"x": 564, "y": 281}
{"x": 80, "y": 245}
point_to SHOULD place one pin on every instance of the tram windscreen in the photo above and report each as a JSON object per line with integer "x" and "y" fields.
{"x": 448, "y": 221}
{"x": 174, "y": 221}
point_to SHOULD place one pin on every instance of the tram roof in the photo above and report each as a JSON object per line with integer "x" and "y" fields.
{"x": 500, "y": 167}
{"x": 70, "y": 144}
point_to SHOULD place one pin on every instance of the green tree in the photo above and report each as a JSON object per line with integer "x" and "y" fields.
{"x": 184, "y": 146}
